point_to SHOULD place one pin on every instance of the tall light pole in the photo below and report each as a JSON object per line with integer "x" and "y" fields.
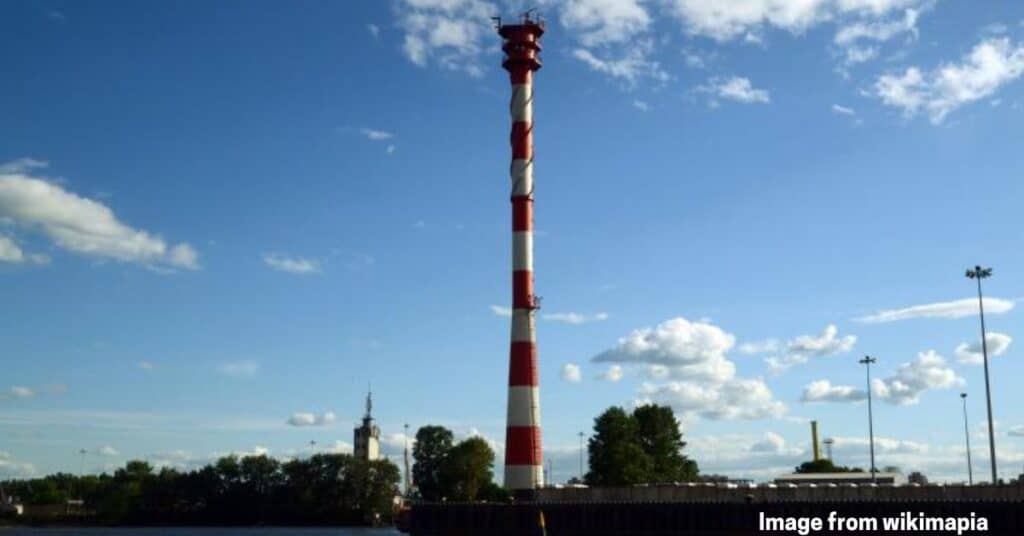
{"x": 405, "y": 458}
{"x": 81, "y": 462}
{"x": 868, "y": 360}
{"x": 967, "y": 436}
{"x": 581, "y": 457}
{"x": 980, "y": 273}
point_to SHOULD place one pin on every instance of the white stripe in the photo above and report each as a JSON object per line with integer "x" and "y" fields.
{"x": 521, "y": 107}
{"x": 522, "y": 250}
{"x": 523, "y": 406}
{"x": 522, "y": 326}
{"x": 522, "y": 177}
{"x": 524, "y": 476}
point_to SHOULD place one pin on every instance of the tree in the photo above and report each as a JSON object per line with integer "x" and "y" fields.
{"x": 432, "y": 445}
{"x": 917, "y": 477}
{"x": 616, "y": 457}
{"x": 466, "y": 470}
{"x": 659, "y": 437}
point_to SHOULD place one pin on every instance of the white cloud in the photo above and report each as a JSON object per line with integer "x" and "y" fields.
{"x": 689, "y": 349}
{"x": 971, "y": 354}
{"x": 771, "y": 442}
{"x": 571, "y": 373}
{"x": 630, "y": 65}
{"x": 310, "y": 419}
{"x": 452, "y": 34}
{"x": 575, "y": 318}
{"x": 603, "y": 22}
{"x": 641, "y": 105}
{"x": 804, "y": 347}
{"x": 843, "y": 110}
{"x": 107, "y": 451}
{"x": 928, "y": 371}
{"x": 824, "y": 391}
{"x": 146, "y": 365}
{"x": 374, "y": 30}
{"x": 498, "y": 310}
{"x": 292, "y": 265}
{"x": 81, "y": 225}
{"x": 732, "y": 399}
{"x": 992, "y": 63}
{"x": 376, "y": 135}
{"x": 950, "y": 309}
{"x": 758, "y": 347}
{"x": 1016, "y": 431}
{"x": 735, "y": 88}
{"x": 726, "y": 21}
{"x": 9, "y": 251}
{"x": 239, "y": 369}
{"x": 878, "y": 30}
{"x": 20, "y": 391}
{"x": 613, "y": 374}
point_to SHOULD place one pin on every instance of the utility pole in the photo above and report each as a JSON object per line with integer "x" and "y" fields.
{"x": 967, "y": 437}
{"x": 980, "y": 273}
{"x": 81, "y": 463}
{"x": 408, "y": 480}
{"x": 312, "y": 445}
{"x": 581, "y": 457}
{"x": 868, "y": 360}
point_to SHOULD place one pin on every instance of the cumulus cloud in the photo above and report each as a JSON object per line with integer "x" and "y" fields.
{"x": 575, "y": 318}
{"x": 992, "y": 63}
{"x": 641, "y": 105}
{"x": 376, "y": 135}
{"x": 804, "y": 347}
{"x": 731, "y": 399}
{"x": 1016, "y": 431}
{"x": 734, "y": 88}
{"x": 292, "y": 265}
{"x": 80, "y": 225}
{"x": 107, "y": 451}
{"x": 571, "y": 373}
{"x": 310, "y": 419}
{"x": 824, "y": 391}
{"x": 239, "y": 369}
{"x": 928, "y": 371}
{"x": 883, "y": 30}
{"x": 612, "y": 374}
{"x": 950, "y": 309}
{"x": 771, "y": 442}
{"x": 452, "y": 34}
{"x": 971, "y": 354}
{"x": 146, "y": 365}
{"x": 758, "y": 347}
{"x": 602, "y": 22}
{"x": 11, "y": 252}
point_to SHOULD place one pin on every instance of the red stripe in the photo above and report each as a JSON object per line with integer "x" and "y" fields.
{"x": 520, "y": 74}
{"x": 522, "y": 289}
{"x": 522, "y": 140}
{"x": 522, "y": 445}
{"x": 522, "y": 214}
{"x": 522, "y": 364}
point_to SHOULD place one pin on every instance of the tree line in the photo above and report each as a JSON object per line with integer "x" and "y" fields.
{"x": 325, "y": 489}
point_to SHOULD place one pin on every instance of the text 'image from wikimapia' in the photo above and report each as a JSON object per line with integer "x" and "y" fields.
{"x": 274, "y": 269}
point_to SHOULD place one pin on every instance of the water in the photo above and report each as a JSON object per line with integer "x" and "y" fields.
{"x": 192, "y": 531}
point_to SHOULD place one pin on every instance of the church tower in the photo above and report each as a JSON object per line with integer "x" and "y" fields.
{"x": 367, "y": 436}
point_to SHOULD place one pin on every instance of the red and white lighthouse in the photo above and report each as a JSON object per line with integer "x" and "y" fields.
{"x": 523, "y": 462}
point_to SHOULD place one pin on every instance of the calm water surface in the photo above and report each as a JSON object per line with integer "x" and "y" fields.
{"x": 186, "y": 531}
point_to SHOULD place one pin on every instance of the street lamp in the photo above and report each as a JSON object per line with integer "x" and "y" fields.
{"x": 980, "y": 273}
{"x": 867, "y": 361}
{"x": 967, "y": 436}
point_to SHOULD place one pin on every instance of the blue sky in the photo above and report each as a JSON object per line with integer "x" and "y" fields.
{"x": 217, "y": 216}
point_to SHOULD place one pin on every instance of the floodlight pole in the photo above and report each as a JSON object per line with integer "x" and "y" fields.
{"x": 868, "y": 360}
{"x": 967, "y": 437}
{"x": 980, "y": 273}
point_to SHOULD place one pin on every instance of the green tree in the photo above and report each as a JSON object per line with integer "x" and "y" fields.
{"x": 659, "y": 436}
{"x": 616, "y": 456}
{"x": 824, "y": 465}
{"x": 431, "y": 448}
{"x": 466, "y": 470}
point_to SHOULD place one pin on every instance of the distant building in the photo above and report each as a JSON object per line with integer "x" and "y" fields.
{"x": 367, "y": 436}
{"x": 860, "y": 478}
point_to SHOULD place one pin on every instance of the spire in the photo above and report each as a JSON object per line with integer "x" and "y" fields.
{"x": 369, "y": 404}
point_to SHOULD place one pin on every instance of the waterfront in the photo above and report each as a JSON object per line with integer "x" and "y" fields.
{"x": 195, "y": 531}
